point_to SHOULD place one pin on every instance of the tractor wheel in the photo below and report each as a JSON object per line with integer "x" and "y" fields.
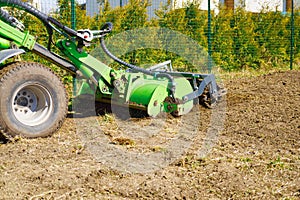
{"x": 33, "y": 100}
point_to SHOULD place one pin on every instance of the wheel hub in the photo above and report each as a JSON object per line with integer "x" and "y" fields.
{"x": 22, "y": 101}
{"x": 32, "y": 104}
{"x": 25, "y": 101}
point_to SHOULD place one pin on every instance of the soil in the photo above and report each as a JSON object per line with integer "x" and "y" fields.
{"x": 253, "y": 154}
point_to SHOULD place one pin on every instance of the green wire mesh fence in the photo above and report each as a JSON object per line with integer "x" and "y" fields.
{"x": 236, "y": 34}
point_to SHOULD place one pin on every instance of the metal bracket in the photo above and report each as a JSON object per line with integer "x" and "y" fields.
{"x": 164, "y": 67}
{"x": 209, "y": 79}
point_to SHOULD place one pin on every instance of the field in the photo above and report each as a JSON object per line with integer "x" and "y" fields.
{"x": 256, "y": 155}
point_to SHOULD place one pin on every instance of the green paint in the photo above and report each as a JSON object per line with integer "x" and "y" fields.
{"x": 19, "y": 38}
{"x": 4, "y": 44}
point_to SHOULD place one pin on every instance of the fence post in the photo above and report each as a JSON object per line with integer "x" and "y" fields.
{"x": 292, "y": 35}
{"x": 73, "y": 15}
{"x": 73, "y": 26}
{"x": 209, "y": 37}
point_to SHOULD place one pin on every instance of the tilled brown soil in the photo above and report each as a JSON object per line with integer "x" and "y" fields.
{"x": 255, "y": 156}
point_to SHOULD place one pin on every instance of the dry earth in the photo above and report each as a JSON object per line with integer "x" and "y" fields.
{"x": 255, "y": 156}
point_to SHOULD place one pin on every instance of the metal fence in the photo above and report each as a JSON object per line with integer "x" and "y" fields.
{"x": 235, "y": 35}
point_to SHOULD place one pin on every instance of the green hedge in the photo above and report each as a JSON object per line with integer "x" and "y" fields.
{"x": 240, "y": 39}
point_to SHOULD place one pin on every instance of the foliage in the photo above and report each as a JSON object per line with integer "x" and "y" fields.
{"x": 240, "y": 39}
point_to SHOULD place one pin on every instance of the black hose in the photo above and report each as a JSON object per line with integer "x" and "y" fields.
{"x": 32, "y": 10}
{"x": 68, "y": 30}
{"x": 5, "y": 16}
{"x": 108, "y": 28}
{"x": 25, "y": 6}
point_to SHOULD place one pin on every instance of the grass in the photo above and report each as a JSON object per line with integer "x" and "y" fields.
{"x": 250, "y": 72}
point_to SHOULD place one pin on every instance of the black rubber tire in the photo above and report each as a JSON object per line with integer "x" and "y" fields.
{"x": 33, "y": 100}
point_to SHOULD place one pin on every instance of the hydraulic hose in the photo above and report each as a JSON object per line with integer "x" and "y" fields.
{"x": 107, "y": 27}
{"x": 30, "y": 9}
{"x": 26, "y": 7}
{"x": 41, "y": 16}
{"x": 5, "y": 16}
{"x": 38, "y": 49}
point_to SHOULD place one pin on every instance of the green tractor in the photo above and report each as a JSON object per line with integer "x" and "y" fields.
{"x": 34, "y": 101}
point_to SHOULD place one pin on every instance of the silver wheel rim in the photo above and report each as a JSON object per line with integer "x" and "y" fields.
{"x": 32, "y": 104}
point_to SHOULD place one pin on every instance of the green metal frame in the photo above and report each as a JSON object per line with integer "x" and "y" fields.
{"x": 10, "y": 34}
{"x": 140, "y": 90}
{"x": 133, "y": 89}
